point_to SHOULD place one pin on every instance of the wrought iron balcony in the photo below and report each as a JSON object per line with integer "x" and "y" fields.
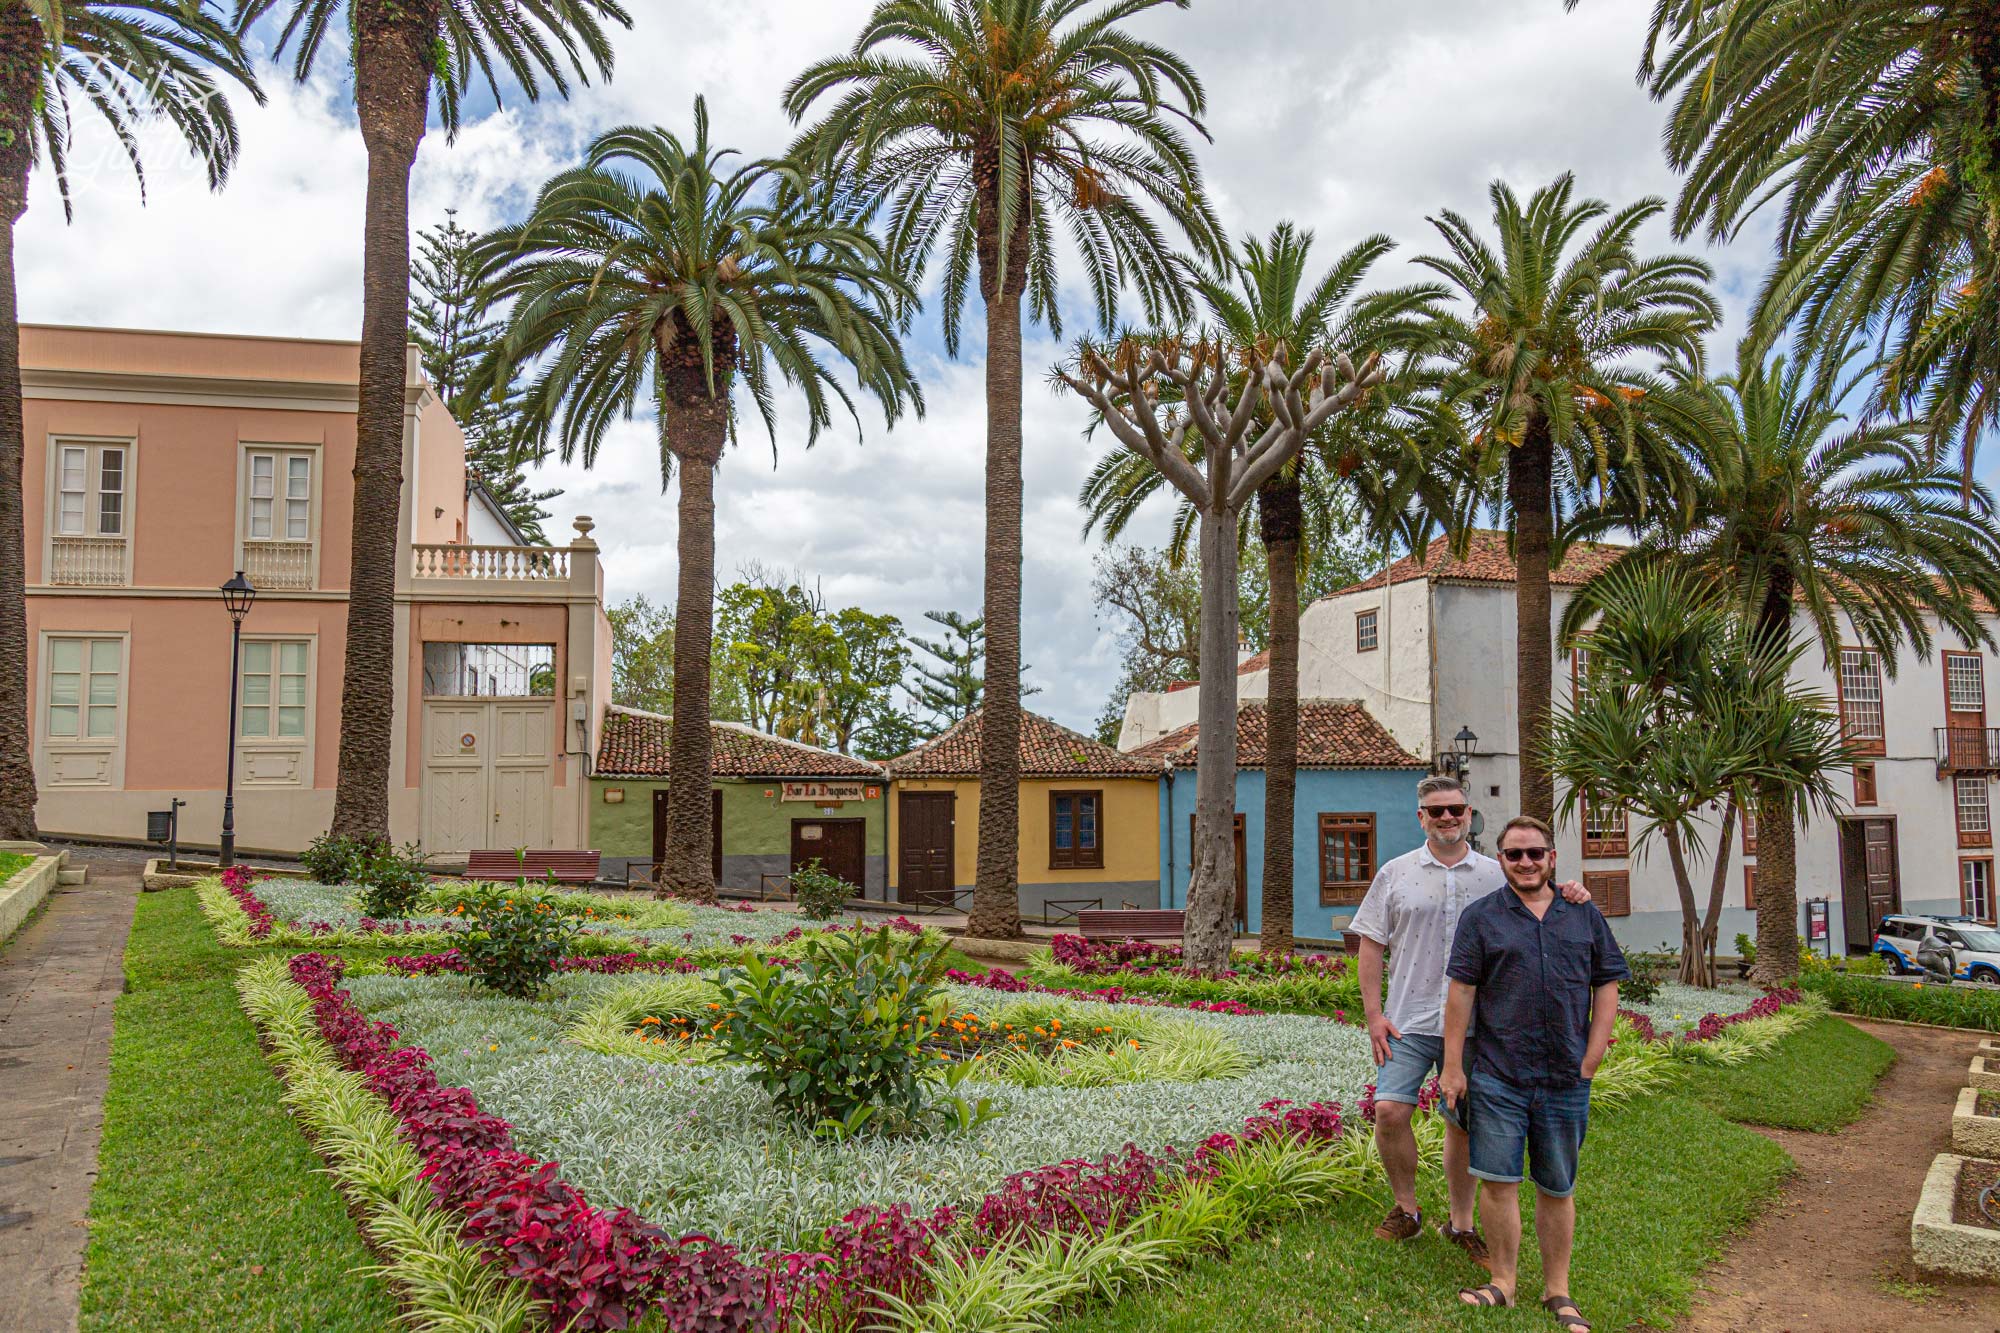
{"x": 1967, "y": 750}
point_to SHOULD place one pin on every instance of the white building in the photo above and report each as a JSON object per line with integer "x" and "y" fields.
{"x": 1429, "y": 648}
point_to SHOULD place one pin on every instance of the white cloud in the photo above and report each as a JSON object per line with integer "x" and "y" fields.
{"x": 1349, "y": 118}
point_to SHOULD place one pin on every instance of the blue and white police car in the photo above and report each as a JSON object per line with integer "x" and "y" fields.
{"x": 1974, "y": 945}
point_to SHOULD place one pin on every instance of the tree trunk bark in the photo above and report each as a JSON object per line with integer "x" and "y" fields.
{"x": 19, "y": 70}
{"x": 996, "y": 893}
{"x": 1280, "y": 520}
{"x": 1717, "y": 886}
{"x": 1212, "y": 885}
{"x": 1690, "y": 971}
{"x": 698, "y": 431}
{"x": 1530, "y": 469}
{"x": 1777, "y": 863}
{"x": 392, "y": 64}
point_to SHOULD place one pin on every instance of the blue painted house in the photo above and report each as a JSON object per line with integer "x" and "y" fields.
{"x": 1356, "y": 807}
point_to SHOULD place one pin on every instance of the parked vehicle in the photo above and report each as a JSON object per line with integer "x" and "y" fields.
{"x": 1975, "y": 946}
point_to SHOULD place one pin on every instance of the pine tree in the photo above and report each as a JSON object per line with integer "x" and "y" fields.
{"x": 957, "y": 684}
{"x": 452, "y": 330}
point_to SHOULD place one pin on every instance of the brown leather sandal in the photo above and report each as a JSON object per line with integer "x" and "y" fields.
{"x": 1485, "y": 1297}
{"x": 1573, "y": 1320}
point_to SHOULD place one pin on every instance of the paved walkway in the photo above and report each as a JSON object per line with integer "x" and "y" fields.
{"x": 58, "y": 978}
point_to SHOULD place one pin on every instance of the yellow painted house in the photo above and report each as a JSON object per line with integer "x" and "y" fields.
{"x": 1090, "y": 821}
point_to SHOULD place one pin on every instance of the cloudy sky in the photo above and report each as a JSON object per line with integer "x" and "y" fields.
{"x": 1348, "y": 116}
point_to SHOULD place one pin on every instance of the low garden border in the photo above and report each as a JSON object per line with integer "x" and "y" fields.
{"x": 24, "y": 891}
{"x": 1941, "y": 1245}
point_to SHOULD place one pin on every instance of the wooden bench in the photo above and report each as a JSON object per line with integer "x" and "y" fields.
{"x": 1131, "y": 924}
{"x": 566, "y": 867}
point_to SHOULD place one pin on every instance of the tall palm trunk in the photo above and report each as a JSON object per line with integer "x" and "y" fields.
{"x": 689, "y": 871}
{"x": 1777, "y": 853}
{"x": 1280, "y": 520}
{"x": 392, "y": 76}
{"x": 996, "y": 896}
{"x": 1530, "y": 471}
{"x": 20, "y": 70}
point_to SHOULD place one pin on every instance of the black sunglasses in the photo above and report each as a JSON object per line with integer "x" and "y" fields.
{"x": 1525, "y": 853}
{"x": 1441, "y": 811}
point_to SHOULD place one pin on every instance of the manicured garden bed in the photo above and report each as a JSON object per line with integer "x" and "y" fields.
{"x": 1976, "y": 1007}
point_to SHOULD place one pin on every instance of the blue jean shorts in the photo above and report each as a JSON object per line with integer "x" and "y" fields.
{"x": 1413, "y": 1058}
{"x": 1545, "y": 1124}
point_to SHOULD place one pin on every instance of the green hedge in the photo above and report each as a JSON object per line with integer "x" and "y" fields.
{"x": 1912, "y": 1002}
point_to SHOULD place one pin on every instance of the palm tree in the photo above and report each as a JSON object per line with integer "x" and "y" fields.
{"x": 660, "y": 273}
{"x": 1878, "y": 123}
{"x": 1257, "y": 301}
{"x": 983, "y": 126}
{"x": 1685, "y": 705}
{"x": 1536, "y": 379}
{"x": 1851, "y": 528}
{"x": 129, "y": 59}
{"x": 401, "y": 54}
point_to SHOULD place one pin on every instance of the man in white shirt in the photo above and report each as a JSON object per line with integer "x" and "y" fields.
{"x": 1411, "y": 910}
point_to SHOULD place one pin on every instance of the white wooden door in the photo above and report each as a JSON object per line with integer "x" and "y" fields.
{"x": 456, "y": 799}
{"x": 523, "y": 773}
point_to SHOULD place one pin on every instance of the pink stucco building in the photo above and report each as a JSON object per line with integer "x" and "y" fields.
{"x": 157, "y": 464}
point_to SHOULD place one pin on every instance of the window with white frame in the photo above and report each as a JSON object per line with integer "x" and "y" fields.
{"x": 1861, "y": 699}
{"x": 1975, "y": 889}
{"x": 273, "y": 690}
{"x": 1975, "y": 820}
{"x": 82, "y": 689}
{"x": 90, "y": 490}
{"x": 1367, "y": 630}
{"x": 280, "y": 497}
{"x": 1964, "y": 683}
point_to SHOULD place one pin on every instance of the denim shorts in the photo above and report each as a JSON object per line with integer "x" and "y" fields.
{"x": 1547, "y": 1124}
{"x": 1412, "y": 1059}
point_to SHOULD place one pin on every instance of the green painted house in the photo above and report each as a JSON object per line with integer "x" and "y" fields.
{"x": 778, "y": 805}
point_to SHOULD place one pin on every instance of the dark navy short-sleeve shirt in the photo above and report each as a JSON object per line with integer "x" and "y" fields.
{"x": 1531, "y": 1018}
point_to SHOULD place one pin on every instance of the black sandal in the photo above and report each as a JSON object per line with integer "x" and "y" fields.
{"x": 1574, "y": 1320}
{"x": 1484, "y": 1298}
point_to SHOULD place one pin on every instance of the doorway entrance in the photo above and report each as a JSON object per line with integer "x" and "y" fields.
{"x": 840, "y": 846}
{"x": 1870, "y": 879}
{"x": 924, "y": 869}
{"x": 660, "y": 834}
{"x": 489, "y": 774}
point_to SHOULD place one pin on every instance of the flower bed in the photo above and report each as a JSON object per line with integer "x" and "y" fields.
{"x": 1976, "y": 1007}
{"x": 301, "y": 913}
{"x": 1056, "y": 1232}
{"x": 1314, "y": 984}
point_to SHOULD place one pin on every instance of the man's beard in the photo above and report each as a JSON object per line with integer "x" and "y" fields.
{"x": 1448, "y": 837}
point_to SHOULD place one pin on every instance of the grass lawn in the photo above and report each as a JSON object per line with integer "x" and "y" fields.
{"x": 1665, "y": 1182}
{"x": 208, "y": 1211}
{"x": 1790, "y": 1090}
{"x": 11, "y": 863}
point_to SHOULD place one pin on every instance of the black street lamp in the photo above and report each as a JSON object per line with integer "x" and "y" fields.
{"x": 237, "y": 595}
{"x": 1460, "y": 759}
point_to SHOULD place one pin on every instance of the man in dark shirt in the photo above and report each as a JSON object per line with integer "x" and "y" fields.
{"x": 1535, "y": 979}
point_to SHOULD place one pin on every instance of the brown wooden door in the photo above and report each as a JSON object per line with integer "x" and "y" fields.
{"x": 840, "y": 846}
{"x": 1242, "y": 905}
{"x": 1885, "y": 890}
{"x": 660, "y": 832}
{"x": 924, "y": 872}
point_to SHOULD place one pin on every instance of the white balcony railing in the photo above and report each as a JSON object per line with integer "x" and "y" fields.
{"x": 537, "y": 564}
{"x": 88, "y": 562}
{"x": 278, "y": 564}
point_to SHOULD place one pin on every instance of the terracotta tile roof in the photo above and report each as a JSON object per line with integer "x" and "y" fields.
{"x": 1047, "y": 751}
{"x": 635, "y": 745}
{"x": 1487, "y": 561}
{"x": 1333, "y": 733}
{"x": 1261, "y": 662}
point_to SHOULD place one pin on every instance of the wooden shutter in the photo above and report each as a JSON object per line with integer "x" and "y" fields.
{"x": 1611, "y": 890}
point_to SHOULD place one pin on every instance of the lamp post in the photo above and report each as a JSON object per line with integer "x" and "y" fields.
{"x": 1460, "y": 758}
{"x": 237, "y": 595}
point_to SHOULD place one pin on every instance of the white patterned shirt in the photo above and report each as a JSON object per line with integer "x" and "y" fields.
{"x": 1412, "y": 908}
